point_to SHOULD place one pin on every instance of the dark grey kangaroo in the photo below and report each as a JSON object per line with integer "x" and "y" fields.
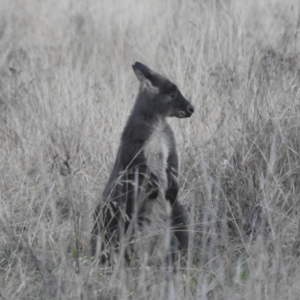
{"x": 146, "y": 167}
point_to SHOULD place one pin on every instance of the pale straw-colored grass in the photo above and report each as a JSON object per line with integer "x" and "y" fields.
{"x": 66, "y": 89}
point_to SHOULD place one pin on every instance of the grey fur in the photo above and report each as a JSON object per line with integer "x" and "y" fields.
{"x": 144, "y": 178}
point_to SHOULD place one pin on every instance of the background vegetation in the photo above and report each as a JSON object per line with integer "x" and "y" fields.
{"x": 66, "y": 89}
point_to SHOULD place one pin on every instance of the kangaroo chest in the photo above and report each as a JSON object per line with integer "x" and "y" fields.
{"x": 156, "y": 152}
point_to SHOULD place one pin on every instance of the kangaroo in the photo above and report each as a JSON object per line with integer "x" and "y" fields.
{"x": 145, "y": 172}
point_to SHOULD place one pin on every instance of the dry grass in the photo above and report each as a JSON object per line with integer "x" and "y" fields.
{"x": 66, "y": 89}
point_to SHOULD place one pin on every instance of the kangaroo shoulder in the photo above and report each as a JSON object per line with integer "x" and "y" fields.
{"x": 134, "y": 138}
{"x": 136, "y": 132}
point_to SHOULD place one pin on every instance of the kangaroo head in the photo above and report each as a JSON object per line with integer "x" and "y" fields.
{"x": 163, "y": 96}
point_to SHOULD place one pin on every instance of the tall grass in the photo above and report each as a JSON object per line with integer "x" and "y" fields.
{"x": 66, "y": 89}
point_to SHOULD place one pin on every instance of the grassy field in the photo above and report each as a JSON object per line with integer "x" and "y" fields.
{"x": 66, "y": 89}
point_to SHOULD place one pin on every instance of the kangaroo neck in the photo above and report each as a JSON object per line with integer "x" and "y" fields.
{"x": 146, "y": 109}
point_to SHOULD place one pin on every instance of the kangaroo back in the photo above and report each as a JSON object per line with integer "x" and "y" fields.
{"x": 143, "y": 184}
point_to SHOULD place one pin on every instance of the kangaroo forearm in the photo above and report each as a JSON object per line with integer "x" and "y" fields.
{"x": 173, "y": 187}
{"x": 172, "y": 193}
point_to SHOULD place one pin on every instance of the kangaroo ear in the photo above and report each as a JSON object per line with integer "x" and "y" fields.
{"x": 143, "y": 73}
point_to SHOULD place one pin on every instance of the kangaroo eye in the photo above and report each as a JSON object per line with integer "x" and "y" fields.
{"x": 173, "y": 94}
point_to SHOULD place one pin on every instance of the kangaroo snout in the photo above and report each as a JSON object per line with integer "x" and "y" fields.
{"x": 190, "y": 110}
{"x": 186, "y": 109}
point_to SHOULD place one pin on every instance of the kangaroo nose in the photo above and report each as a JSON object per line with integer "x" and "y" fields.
{"x": 190, "y": 109}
